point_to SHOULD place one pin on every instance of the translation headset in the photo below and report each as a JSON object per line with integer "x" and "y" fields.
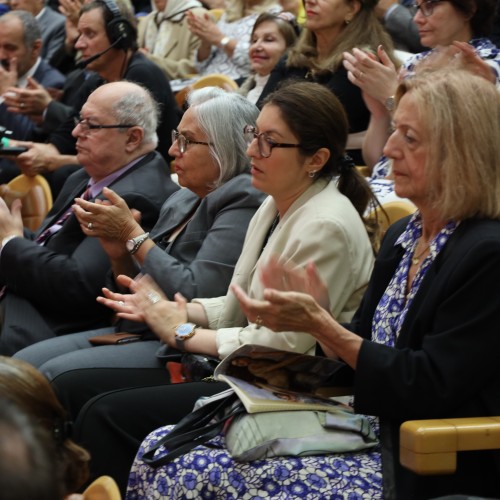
{"x": 119, "y": 30}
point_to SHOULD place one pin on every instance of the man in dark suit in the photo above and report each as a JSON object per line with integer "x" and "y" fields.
{"x": 20, "y": 49}
{"x": 51, "y": 22}
{"x": 53, "y": 276}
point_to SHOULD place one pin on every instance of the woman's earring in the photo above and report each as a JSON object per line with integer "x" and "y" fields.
{"x": 347, "y": 21}
{"x": 312, "y": 174}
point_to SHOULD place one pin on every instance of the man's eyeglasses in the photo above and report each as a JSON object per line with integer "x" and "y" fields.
{"x": 265, "y": 144}
{"x": 86, "y": 126}
{"x": 183, "y": 141}
{"x": 426, "y": 7}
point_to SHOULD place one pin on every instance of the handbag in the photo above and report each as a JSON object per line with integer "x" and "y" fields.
{"x": 262, "y": 435}
{"x": 186, "y": 366}
{"x": 254, "y": 436}
{"x": 192, "y": 368}
{"x": 196, "y": 428}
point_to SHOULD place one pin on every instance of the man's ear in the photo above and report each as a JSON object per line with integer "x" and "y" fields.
{"x": 37, "y": 49}
{"x": 135, "y": 135}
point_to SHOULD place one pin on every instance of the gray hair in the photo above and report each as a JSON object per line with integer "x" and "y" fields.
{"x": 139, "y": 107}
{"x": 222, "y": 116}
{"x": 31, "y": 29}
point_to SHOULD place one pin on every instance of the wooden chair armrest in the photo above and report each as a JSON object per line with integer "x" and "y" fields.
{"x": 429, "y": 447}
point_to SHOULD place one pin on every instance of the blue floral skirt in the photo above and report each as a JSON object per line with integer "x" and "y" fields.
{"x": 209, "y": 472}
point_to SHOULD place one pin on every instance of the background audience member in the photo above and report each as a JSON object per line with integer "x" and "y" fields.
{"x": 224, "y": 44}
{"x": 165, "y": 39}
{"x": 294, "y": 157}
{"x": 52, "y": 276}
{"x": 332, "y": 27}
{"x": 67, "y": 57}
{"x": 20, "y": 49}
{"x": 272, "y": 36}
{"x": 29, "y": 390}
{"x": 50, "y": 21}
{"x": 109, "y": 50}
{"x": 397, "y": 18}
{"x": 440, "y": 24}
{"x": 430, "y": 310}
{"x": 27, "y": 458}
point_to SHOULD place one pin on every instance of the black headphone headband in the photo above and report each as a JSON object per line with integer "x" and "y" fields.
{"x": 119, "y": 29}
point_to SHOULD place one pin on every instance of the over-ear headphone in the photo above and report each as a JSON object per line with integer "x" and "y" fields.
{"x": 119, "y": 29}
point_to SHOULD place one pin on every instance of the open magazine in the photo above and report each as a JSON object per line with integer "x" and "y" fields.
{"x": 267, "y": 379}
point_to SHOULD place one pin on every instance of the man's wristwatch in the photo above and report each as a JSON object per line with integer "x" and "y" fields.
{"x": 134, "y": 244}
{"x": 183, "y": 332}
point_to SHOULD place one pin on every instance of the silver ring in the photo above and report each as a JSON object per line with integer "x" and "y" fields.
{"x": 258, "y": 321}
{"x": 90, "y": 226}
{"x": 22, "y": 105}
{"x": 153, "y": 297}
{"x": 121, "y": 303}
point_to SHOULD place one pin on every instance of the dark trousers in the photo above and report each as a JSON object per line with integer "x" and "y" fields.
{"x": 113, "y": 425}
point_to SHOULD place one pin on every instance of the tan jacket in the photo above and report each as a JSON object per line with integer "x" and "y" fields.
{"x": 179, "y": 52}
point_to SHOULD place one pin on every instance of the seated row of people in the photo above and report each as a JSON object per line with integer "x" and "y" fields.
{"x": 430, "y": 295}
{"x": 199, "y": 236}
{"x": 276, "y": 129}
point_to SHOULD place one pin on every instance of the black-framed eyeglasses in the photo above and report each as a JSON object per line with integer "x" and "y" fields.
{"x": 426, "y": 7}
{"x": 86, "y": 126}
{"x": 265, "y": 143}
{"x": 183, "y": 141}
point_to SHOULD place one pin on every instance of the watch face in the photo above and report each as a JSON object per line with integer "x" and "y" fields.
{"x": 185, "y": 329}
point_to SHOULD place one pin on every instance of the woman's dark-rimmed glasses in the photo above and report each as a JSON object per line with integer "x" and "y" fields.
{"x": 265, "y": 144}
{"x": 183, "y": 141}
{"x": 426, "y": 7}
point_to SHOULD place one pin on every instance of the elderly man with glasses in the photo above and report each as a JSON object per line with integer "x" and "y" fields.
{"x": 51, "y": 278}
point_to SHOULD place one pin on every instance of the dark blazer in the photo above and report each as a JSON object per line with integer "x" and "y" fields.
{"x": 51, "y": 289}
{"x": 53, "y": 28}
{"x": 59, "y": 110}
{"x": 445, "y": 363}
{"x": 201, "y": 260}
{"x": 21, "y": 126}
